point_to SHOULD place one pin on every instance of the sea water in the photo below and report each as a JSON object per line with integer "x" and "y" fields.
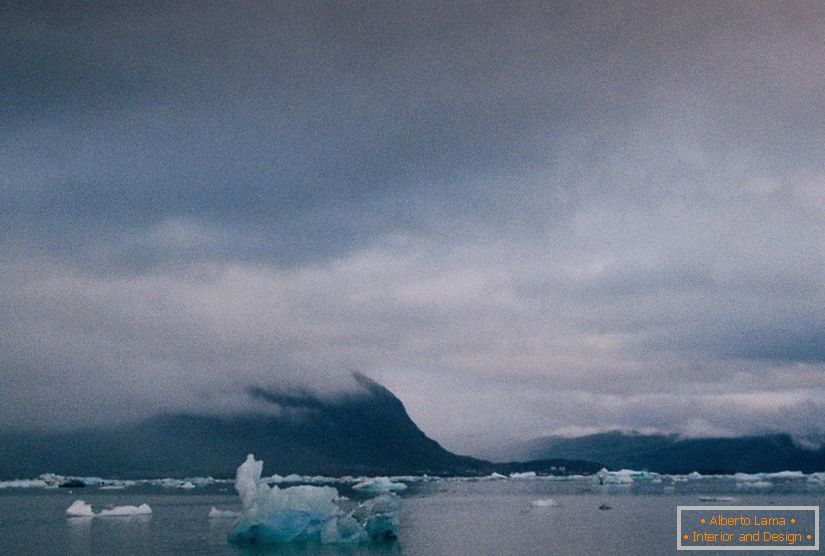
{"x": 445, "y": 516}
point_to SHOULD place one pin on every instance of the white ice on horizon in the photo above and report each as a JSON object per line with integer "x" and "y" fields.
{"x": 525, "y": 475}
{"x": 79, "y": 508}
{"x": 545, "y": 503}
{"x": 623, "y": 477}
{"x": 306, "y": 513}
{"x": 754, "y": 485}
{"x": 379, "y": 484}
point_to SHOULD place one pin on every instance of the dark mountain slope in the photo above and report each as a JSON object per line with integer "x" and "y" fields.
{"x": 363, "y": 432}
{"x": 672, "y": 454}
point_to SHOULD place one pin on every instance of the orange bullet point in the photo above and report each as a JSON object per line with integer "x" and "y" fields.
{"x": 808, "y": 537}
{"x": 702, "y": 520}
{"x": 686, "y": 537}
{"x": 793, "y": 520}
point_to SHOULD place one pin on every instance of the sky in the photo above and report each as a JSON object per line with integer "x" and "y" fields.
{"x": 524, "y": 218}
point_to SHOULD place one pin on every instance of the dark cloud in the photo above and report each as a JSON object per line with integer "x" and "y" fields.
{"x": 595, "y": 215}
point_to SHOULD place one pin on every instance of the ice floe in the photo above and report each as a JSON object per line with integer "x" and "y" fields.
{"x": 545, "y": 503}
{"x": 525, "y": 475}
{"x": 306, "y": 513}
{"x": 623, "y": 477}
{"x": 760, "y": 485}
{"x": 125, "y": 511}
{"x": 79, "y": 508}
{"x": 379, "y": 484}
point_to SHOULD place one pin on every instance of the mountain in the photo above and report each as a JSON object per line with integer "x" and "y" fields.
{"x": 366, "y": 431}
{"x": 673, "y": 454}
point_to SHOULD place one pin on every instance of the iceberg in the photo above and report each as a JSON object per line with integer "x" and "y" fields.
{"x": 379, "y": 484}
{"x": 545, "y": 503}
{"x": 79, "y": 508}
{"x": 306, "y": 513}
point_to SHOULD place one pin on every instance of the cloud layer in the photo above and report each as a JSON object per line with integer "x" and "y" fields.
{"x": 522, "y": 219}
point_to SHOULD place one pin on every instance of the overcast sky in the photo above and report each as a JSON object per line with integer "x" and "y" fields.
{"x": 523, "y": 218}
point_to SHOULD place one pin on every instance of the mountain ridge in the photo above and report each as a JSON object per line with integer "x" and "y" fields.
{"x": 671, "y": 453}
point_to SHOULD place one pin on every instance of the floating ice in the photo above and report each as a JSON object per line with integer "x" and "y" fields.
{"x": 754, "y": 485}
{"x": 219, "y": 514}
{"x": 525, "y": 475}
{"x": 79, "y": 508}
{"x": 786, "y": 475}
{"x": 816, "y": 478}
{"x": 379, "y": 484}
{"x": 545, "y": 503}
{"x": 622, "y": 477}
{"x": 23, "y": 483}
{"x": 717, "y": 499}
{"x": 306, "y": 513}
{"x": 125, "y": 511}
{"x": 495, "y": 475}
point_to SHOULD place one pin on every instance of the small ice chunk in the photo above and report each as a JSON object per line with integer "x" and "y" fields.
{"x": 79, "y": 508}
{"x": 495, "y": 475}
{"x": 220, "y": 514}
{"x": 545, "y": 503}
{"x": 525, "y": 475}
{"x": 717, "y": 499}
{"x": 379, "y": 484}
{"x": 126, "y": 511}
